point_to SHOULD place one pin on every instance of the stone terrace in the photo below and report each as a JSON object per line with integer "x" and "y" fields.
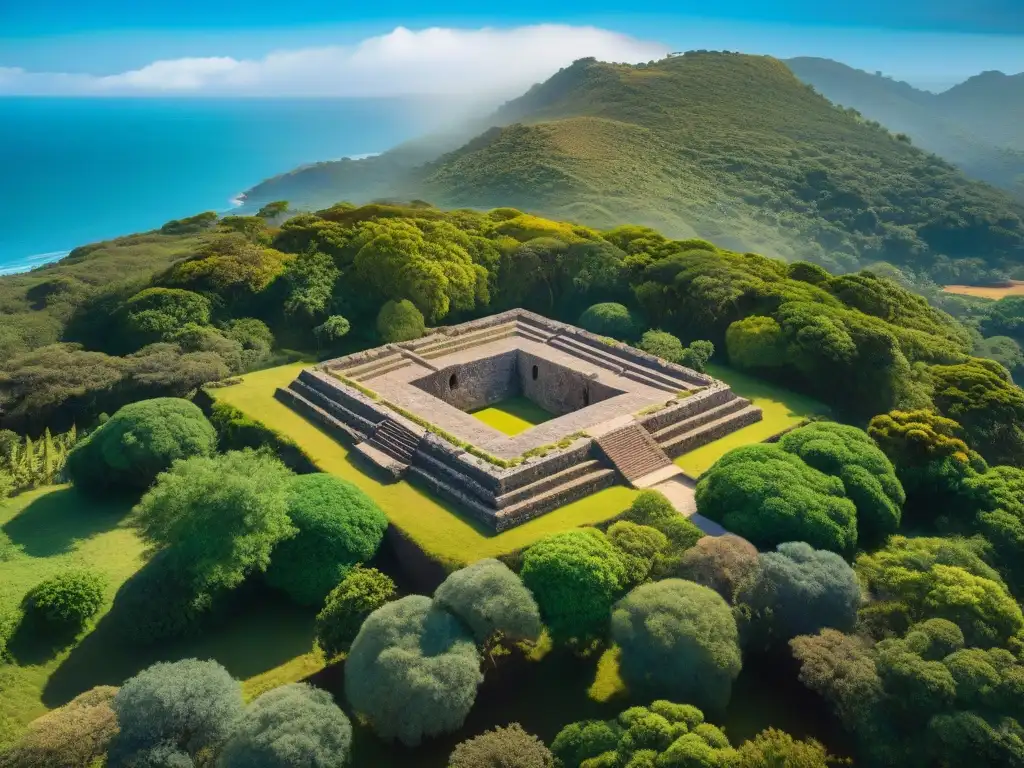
{"x": 620, "y": 413}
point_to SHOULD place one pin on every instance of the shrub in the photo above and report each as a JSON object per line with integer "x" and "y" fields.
{"x": 727, "y": 564}
{"x": 510, "y": 747}
{"x": 152, "y": 314}
{"x": 867, "y": 474}
{"x": 650, "y": 508}
{"x": 220, "y": 517}
{"x": 72, "y": 736}
{"x": 338, "y": 527}
{"x": 679, "y": 639}
{"x": 139, "y": 442}
{"x": 799, "y": 591}
{"x": 663, "y": 345}
{"x": 490, "y": 599}
{"x": 400, "y": 321}
{"x": 773, "y": 747}
{"x": 360, "y": 593}
{"x": 69, "y": 599}
{"x": 187, "y": 705}
{"x": 769, "y": 496}
{"x": 292, "y": 725}
{"x": 575, "y": 577}
{"x": 6, "y": 484}
{"x": 611, "y": 319}
{"x": 756, "y": 342}
{"x": 697, "y": 355}
{"x": 413, "y": 671}
{"x": 638, "y": 546}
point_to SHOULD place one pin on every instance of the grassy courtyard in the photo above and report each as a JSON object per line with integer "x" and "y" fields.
{"x": 512, "y": 416}
{"x": 438, "y": 528}
{"x": 55, "y": 528}
{"x": 782, "y": 410}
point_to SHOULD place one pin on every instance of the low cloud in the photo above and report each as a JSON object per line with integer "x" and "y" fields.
{"x": 438, "y": 61}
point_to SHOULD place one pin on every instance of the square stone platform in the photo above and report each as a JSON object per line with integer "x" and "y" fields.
{"x": 620, "y": 413}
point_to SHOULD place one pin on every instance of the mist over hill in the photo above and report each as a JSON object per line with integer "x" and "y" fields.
{"x": 728, "y": 147}
{"x": 977, "y": 125}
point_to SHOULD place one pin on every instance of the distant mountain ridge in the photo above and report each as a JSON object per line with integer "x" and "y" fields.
{"x": 728, "y": 147}
{"x": 977, "y": 125}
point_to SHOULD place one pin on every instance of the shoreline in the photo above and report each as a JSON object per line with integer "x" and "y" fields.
{"x": 28, "y": 263}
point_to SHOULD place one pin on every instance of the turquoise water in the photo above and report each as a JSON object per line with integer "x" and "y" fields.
{"x": 73, "y": 171}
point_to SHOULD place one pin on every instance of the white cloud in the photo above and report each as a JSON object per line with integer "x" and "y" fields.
{"x": 402, "y": 62}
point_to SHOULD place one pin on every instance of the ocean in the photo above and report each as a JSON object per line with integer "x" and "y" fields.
{"x": 74, "y": 171}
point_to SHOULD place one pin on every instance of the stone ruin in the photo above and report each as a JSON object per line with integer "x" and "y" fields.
{"x": 620, "y": 414}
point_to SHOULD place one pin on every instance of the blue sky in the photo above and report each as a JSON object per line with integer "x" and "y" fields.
{"x": 932, "y": 44}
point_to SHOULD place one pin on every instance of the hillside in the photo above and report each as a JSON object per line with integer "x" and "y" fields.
{"x": 722, "y": 146}
{"x": 976, "y": 125}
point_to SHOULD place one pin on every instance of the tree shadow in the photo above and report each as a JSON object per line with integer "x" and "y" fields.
{"x": 54, "y": 522}
{"x": 263, "y": 633}
{"x": 36, "y": 641}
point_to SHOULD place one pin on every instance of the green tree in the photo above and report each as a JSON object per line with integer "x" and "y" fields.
{"x": 663, "y": 345}
{"x": 332, "y": 329}
{"x": 575, "y": 577}
{"x": 509, "y": 747}
{"x": 295, "y": 724}
{"x": 412, "y": 671}
{"x": 727, "y": 564}
{"x": 770, "y": 496}
{"x": 274, "y": 209}
{"x": 799, "y": 591}
{"x": 310, "y": 280}
{"x": 360, "y": 593}
{"x": 154, "y": 313}
{"x": 697, "y": 355}
{"x": 400, "y": 321}
{"x": 139, "y": 442}
{"x": 677, "y": 639}
{"x": 867, "y": 474}
{"x": 189, "y": 706}
{"x": 337, "y": 527}
{"x": 638, "y": 547}
{"x": 490, "y": 599}
{"x": 611, "y": 319}
{"x": 773, "y": 748}
{"x": 219, "y": 517}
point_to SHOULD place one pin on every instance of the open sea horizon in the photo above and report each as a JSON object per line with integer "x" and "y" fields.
{"x": 81, "y": 170}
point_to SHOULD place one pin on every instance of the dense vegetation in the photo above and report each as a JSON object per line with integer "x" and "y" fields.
{"x": 723, "y": 146}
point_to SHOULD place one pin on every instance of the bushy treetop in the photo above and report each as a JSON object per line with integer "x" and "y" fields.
{"x": 412, "y": 671}
{"x": 139, "y": 442}
{"x": 219, "y": 517}
{"x": 360, "y": 593}
{"x": 338, "y": 526}
{"x": 490, "y": 598}
{"x": 867, "y": 474}
{"x": 756, "y": 342}
{"x": 188, "y": 705}
{"x": 727, "y": 564}
{"x": 70, "y": 598}
{"x": 292, "y": 725}
{"x": 770, "y": 496}
{"x": 678, "y": 639}
{"x": 575, "y": 577}
{"x": 611, "y": 319}
{"x": 154, "y": 313}
{"x": 400, "y": 321}
{"x": 510, "y": 747}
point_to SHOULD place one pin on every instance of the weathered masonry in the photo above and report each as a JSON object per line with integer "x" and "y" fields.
{"x": 621, "y": 414}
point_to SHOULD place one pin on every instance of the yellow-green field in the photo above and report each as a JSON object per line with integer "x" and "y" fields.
{"x": 54, "y": 529}
{"x": 438, "y": 528}
{"x": 512, "y": 416}
{"x": 1015, "y": 288}
{"x": 782, "y": 410}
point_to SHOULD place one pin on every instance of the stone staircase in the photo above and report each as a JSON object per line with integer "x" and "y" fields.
{"x": 396, "y": 441}
{"x": 633, "y": 452}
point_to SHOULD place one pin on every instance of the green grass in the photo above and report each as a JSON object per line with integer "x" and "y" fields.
{"x": 512, "y": 416}
{"x": 55, "y": 528}
{"x": 782, "y": 410}
{"x": 438, "y": 528}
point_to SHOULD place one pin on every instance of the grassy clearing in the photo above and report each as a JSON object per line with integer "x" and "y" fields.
{"x": 438, "y": 528}
{"x": 512, "y": 416}
{"x": 55, "y": 529}
{"x": 782, "y": 409}
{"x": 1015, "y": 288}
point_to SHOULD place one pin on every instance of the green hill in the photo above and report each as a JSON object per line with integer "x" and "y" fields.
{"x": 728, "y": 147}
{"x": 978, "y": 125}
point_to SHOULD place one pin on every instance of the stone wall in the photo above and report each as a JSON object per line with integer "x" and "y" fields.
{"x": 557, "y": 389}
{"x": 477, "y": 384}
{"x": 690, "y": 406}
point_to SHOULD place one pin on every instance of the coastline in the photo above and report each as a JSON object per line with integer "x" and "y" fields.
{"x": 236, "y": 202}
